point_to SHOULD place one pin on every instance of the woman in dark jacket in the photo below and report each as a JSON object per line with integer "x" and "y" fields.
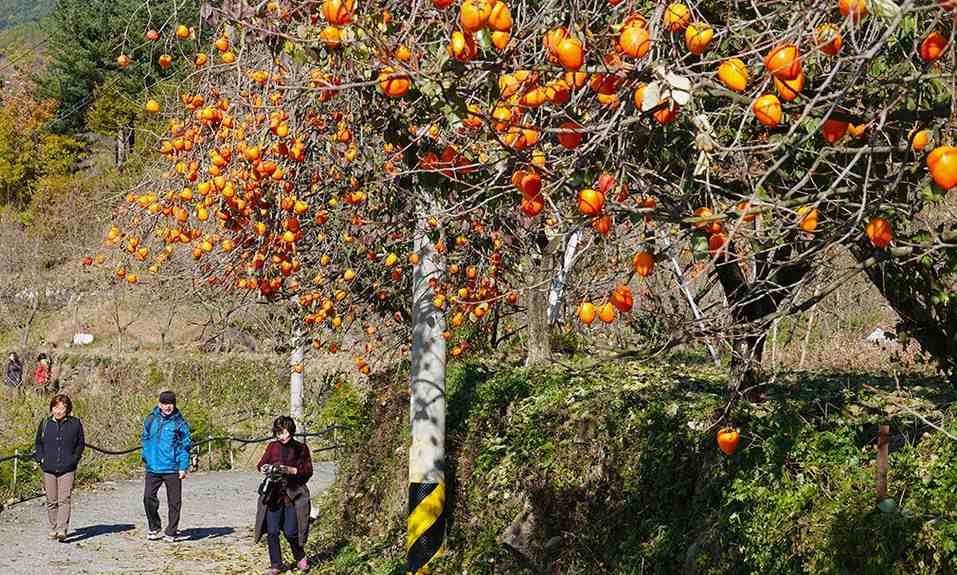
{"x": 14, "y": 374}
{"x": 58, "y": 448}
{"x": 285, "y": 506}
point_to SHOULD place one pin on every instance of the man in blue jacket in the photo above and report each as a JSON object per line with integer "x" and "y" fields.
{"x": 166, "y": 455}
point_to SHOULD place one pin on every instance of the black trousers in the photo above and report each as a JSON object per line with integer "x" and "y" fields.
{"x": 174, "y": 500}
{"x": 282, "y": 518}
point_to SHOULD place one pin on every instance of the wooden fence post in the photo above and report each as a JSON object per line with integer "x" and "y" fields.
{"x": 883, "y": 444}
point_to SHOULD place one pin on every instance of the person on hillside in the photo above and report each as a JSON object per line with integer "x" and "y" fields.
{"x": 166, "y": 445}
{"x": 41, "y": 375}
{"x": 14, "y": 373}
{"x": 285, "y": 506}
{"x": 58, "y": 448}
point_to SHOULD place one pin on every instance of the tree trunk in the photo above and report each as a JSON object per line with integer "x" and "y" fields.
{"x": 28, "y": 324}
{"x": 493, "y": 330}
{"x": 537, "y": 309}
{"x": 296, "y": 358}
{"x": 426, "y": 524}
{"x": 117, "y": 322}
{"x": 169, "y": 324}
{"x": 34, "y": 300}
{"x": 538, "y": 346}
{"x": 746, "y": 358}
{"x": 753, "y": 302}
{"x": 556, "y": 293}
{"x": 908, "y": 287}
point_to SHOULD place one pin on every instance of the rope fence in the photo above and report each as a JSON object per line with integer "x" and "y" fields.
{"x": 194, "y": 449}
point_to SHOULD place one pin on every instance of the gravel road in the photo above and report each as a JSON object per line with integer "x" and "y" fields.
{"x": 108, "y": 530}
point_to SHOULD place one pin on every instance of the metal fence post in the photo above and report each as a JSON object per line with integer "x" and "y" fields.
{"x": 16, "y": 459}
{"x": 229, "y": 446}
{"x": 209, "y": 452}
{"x": 335, "y": 443}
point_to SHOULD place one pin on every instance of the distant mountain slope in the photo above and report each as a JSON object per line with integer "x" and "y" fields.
{"x": 15, "y": 12}
{"x": 22, "y": 51}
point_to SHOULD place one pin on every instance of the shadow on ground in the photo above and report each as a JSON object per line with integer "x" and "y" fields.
{"x": 198, "y": 533}
{"x": 90, "y": 531}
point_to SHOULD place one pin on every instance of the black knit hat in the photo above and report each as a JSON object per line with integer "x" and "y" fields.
{"x": 167, "y": 397}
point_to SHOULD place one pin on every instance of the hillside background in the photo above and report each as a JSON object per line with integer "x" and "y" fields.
{"x": 15, "y": 13}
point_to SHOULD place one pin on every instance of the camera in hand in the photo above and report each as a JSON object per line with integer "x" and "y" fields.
{"x": 273, "y": 483}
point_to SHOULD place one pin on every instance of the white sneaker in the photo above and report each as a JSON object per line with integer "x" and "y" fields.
{"x": 171, "y": 538}
{"x": 153, "y": 535}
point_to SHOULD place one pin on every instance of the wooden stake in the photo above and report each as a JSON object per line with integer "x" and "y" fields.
{"x": 883, "y": 443}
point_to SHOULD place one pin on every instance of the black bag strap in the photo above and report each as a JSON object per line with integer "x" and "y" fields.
{"x": 148, "y": 425}
{"x": 43, "y": 429}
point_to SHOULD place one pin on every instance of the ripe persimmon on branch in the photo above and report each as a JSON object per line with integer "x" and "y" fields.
{"x": 757, "y": 139}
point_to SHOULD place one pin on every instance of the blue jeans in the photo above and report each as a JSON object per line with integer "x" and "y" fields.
{"x": 282, "y": 518}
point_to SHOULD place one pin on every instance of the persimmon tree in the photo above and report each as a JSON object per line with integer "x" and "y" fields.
{"x": 526, "y": 152}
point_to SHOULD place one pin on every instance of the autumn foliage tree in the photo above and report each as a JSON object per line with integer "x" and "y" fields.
{"x": 28, "y": 149}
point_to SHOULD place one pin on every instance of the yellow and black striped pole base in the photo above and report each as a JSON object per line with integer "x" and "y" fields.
{"x": 425, "y": 539}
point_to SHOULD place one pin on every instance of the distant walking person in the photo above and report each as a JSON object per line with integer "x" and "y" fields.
{"x": 166, "y": 444}
{"x": 58, "y": 447}
{"x": 284, "y": 504}
{"x": 41, "y": 375}
{"x": 14, "y": 374}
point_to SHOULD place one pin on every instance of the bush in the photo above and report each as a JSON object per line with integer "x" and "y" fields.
{"x": 619, "y": 464}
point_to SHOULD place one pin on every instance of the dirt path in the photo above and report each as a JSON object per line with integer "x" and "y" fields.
{"x": 109, "y": 530}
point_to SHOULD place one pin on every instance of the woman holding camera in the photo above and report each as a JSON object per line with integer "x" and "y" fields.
{"x": 284, "y": 502}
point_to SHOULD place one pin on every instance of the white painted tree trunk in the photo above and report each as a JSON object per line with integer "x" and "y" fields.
{"x": 427, "y": 401}
{"x": 425, "y": 533}
{"x": 296, "y": 357}
{"x": 556, "y": 293}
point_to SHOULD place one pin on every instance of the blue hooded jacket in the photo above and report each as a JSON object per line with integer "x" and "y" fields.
{"x": 165, "y": 442}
